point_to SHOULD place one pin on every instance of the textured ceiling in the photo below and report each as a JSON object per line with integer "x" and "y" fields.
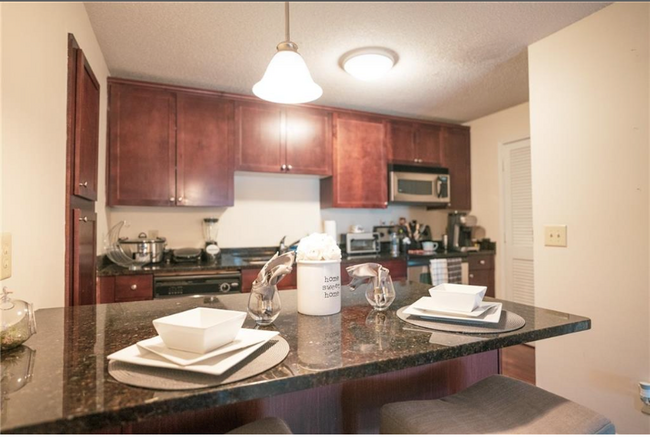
{"x": 457, "y": 61}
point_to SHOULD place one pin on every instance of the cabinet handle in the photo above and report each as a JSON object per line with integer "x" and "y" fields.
{"x": 482, "y": 262}
{"x": 171, "y": 199}
{"x": 415, "y": 160}
{"x": 180, "y": 199}
{"x": 134, "y": 286}
{"x": 84, "y": 184}
{"x": 83, "y": 219}
{"x": 283, "y": 167}
{"x": 289, "y": 167}
{"x": 471, "y": 275}
{"x": 385, "y": 203}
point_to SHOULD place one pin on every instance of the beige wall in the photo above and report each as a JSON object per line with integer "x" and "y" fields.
{"x": 267, "y": 207}
{"x": 34, "y": 75}
{"x": 487, "y": 134}
{"x": 589, "y": 129}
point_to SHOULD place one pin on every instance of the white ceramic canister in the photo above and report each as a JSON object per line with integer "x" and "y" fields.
{"x": 319, "y": 287}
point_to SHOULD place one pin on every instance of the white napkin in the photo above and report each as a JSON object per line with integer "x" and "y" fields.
{"x": 366, "y": 272}
{"x": 273, "y": 271}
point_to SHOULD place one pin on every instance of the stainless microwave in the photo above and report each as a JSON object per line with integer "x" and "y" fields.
{"x": 414, "y": 185}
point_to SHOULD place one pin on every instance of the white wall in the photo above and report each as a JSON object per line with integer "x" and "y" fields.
{"x": 34, "y": 91}
{"x": 487, "y": 134}
{"x": 589, "y": 99}
{"x": 267, "y": 207}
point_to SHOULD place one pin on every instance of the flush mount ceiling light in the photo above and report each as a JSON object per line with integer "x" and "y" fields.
{"x": 287, "y": 79}
{"x": 370, "y": 63}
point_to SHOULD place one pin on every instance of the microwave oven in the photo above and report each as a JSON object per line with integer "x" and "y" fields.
{"x": 414, "y": 185}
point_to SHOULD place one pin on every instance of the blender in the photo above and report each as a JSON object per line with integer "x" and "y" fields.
{"x": 210, "y": 230}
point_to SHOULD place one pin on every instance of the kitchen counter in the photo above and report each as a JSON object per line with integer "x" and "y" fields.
{"x": 70, "y": 389}
{"x": 250, "y": 258}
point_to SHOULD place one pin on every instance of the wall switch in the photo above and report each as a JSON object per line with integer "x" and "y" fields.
{"x": 5, "y": 255}
{"x": 555, "y": 235}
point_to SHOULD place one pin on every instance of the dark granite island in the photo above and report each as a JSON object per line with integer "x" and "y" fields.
{"x": 340, "y": 370}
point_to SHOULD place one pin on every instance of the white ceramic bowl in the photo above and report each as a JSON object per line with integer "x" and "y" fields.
{"x": 199, "y": 330}
{"x": 457, "y": 296}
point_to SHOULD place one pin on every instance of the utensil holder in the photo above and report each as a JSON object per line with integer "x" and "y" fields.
{"x": 319, "y": 287}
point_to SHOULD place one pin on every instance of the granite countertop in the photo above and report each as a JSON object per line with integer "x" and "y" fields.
{"x": 254, "y": 258}
{"x": 70, "y": 389}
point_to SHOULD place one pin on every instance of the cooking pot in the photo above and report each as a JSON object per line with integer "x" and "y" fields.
{"x": 144, "y": 249}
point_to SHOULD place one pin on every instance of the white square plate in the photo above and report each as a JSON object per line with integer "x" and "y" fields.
{"x": 490, "y": 316}
{"x": 215, "y": 366}
{"x": 245, "y": 338}
{"x": 428, "y": 304}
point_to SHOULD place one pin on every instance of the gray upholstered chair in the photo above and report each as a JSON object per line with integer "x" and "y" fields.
{"x": 269, "y": 425}
{"x": 496, "y": 405}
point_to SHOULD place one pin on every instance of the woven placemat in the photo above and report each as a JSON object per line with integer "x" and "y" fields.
{"x": 267, "y": 357}
{"x": 509, "y": 322}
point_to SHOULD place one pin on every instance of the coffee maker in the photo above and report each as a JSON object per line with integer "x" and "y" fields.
{"x": 459, "y": 230}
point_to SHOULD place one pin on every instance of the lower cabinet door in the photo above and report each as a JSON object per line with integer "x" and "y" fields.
{"x": 483, "y": 278}
{"x": 84, "y": 241}
{"x": 133, "y": 288}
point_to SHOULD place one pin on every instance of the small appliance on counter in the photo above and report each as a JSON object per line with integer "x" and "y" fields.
{"x": 459, "y": 230}
{"x": 187, "y": 255}
{"x": 362, "y": 243}
{"x": 144, "y": 249}
{"x": 210, "y": 230}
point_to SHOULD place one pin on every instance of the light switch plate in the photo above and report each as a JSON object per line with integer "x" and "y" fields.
{"x": 555, "y": 235}
{"x": 5, "y": 255}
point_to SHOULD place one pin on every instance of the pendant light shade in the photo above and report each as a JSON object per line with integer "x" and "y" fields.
{"x": 287, "y": 79}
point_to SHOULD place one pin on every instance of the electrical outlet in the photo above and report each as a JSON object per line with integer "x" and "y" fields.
{"x": 5, "y": 255}
{"x": 555, "y": 235}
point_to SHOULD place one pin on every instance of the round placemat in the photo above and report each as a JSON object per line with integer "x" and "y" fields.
{"x": 509, "y": 322}
{"x": 267, "y": 357}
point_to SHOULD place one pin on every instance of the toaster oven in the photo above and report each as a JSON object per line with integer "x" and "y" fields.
{"x": 362, "y": 243}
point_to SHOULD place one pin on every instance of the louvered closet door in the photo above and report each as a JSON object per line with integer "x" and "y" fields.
{"x": 518, "y": 203}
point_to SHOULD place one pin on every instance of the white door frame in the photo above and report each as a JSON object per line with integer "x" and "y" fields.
{"x": 502, "y": 217}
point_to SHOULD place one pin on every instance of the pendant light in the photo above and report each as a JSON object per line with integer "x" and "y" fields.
{"x": 287, "y": 79}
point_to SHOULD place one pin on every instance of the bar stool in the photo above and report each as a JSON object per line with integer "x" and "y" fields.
{"x": 496, "y": 405}
{"x": 269, "y": 425}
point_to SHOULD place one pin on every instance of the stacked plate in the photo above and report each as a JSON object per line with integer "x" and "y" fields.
{"x": 202, "y": 340}
{"x": 456, "y": 302}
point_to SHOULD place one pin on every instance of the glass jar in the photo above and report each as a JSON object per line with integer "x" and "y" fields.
{"x": 17, "y": 321}
{"x": 264, "y": 304}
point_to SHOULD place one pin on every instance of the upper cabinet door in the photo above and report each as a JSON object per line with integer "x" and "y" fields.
{"x": 456, "y": 157}
{"x": 427, "y": 144}
{"x": 401, "y": 142}
{"x": 205, "y": 137}
{"x": 308, "y": 145}
{"x": 258, "y": 144}
{"x": 359, "y": 178}
{"x": 86, "y": 130}
{"x": 142, "y": 146}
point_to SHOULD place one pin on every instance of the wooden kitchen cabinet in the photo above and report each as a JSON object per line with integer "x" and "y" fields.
{"x": 84, "y": 242}
{"x": 124, "y": 288}
{"x": 205, "y": 174}
{"x": 86, "y": 126}
{"x": 414, "y": 143}
{"x": 359, "y": 170}
{"x": 142, "y": 146}
{"x": 278, "y": 139}
{"x": 481, "y": 272}
{"x": 456, "y": 157}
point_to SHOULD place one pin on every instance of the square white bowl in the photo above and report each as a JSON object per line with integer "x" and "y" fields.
{"x": 457, "y": 296}
{"x": 199, "y": 330}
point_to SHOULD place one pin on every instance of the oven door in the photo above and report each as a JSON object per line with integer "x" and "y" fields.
{"x": 419, "y": 188}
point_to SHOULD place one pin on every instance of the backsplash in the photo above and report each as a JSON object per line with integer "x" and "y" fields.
{"x": 267, "y": 207}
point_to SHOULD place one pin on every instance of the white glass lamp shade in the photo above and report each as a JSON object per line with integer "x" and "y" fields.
{"x": 368, "y": 66}
{"x": 287, "y": 80}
